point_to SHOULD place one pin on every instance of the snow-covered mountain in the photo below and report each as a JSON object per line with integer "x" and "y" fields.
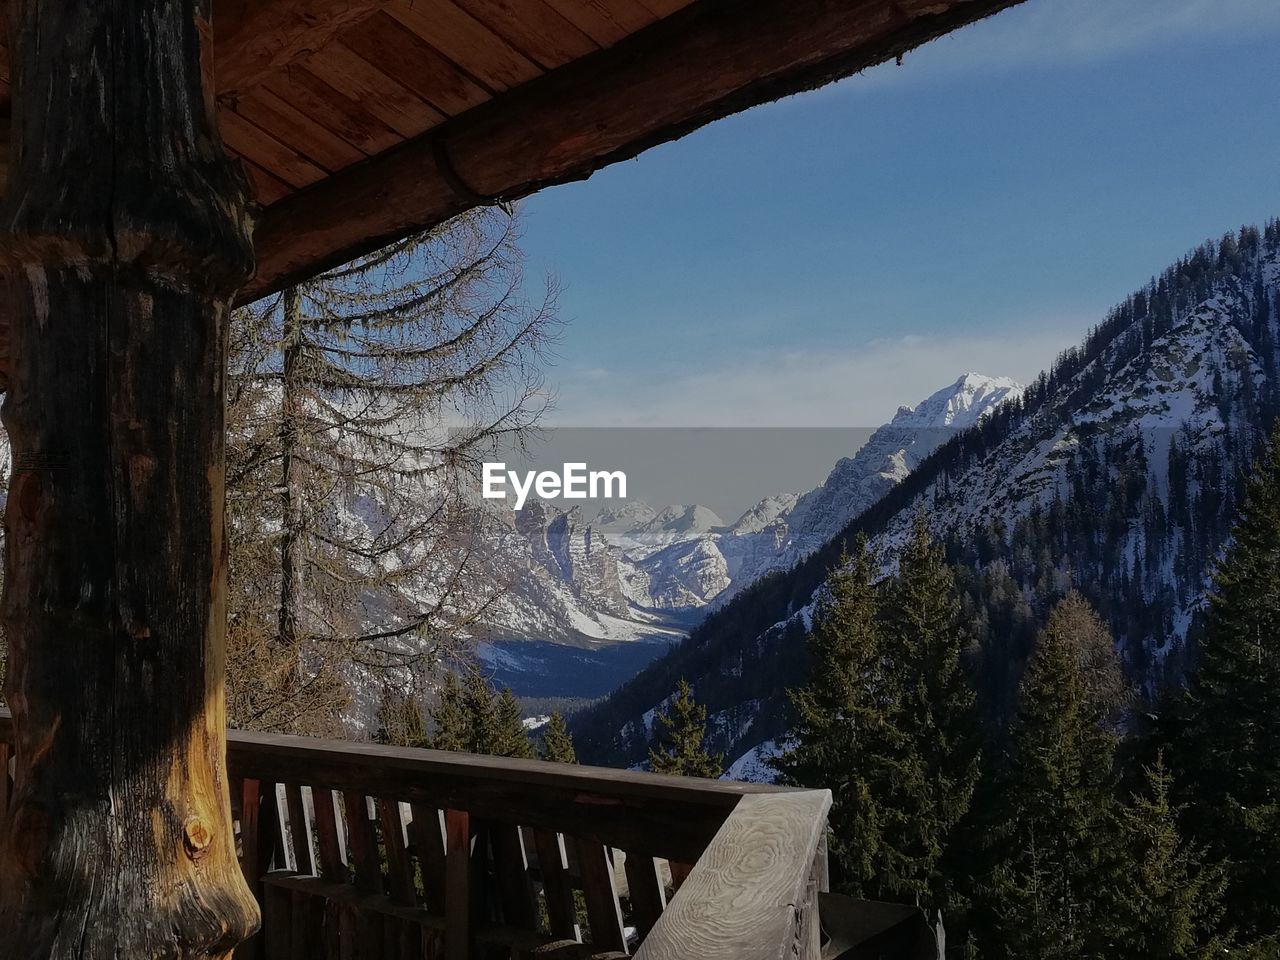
{"x": 686, "y": 556}
{"x": 636, "y": 573}
{"x": 891, "y": 453}
{"x": 1117, "y": 472}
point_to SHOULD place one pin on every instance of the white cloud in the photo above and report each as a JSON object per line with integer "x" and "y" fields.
{"x": 854, "y": 386}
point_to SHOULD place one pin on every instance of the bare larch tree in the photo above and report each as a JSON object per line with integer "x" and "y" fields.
{"x": 361, "y": 403}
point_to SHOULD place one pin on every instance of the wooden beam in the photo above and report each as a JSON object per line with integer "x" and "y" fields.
{"x": 707, "y": 61}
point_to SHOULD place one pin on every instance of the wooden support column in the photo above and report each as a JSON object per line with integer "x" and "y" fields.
{"x": 124, "y": 236}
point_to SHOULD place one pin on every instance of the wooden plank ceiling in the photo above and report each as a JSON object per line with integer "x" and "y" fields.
{"x": 360, "y": 121}
{"x": 354, "y": 79}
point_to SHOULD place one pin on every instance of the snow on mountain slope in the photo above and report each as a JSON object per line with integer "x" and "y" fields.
{"x": 891, "y": 453}
{"x": 685, "y": 556}
{"x": 1116, "y": 473}
{"x": 1176, "y": 385}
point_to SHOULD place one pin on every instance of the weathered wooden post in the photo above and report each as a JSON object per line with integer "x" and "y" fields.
{"x": 124, "y": 235}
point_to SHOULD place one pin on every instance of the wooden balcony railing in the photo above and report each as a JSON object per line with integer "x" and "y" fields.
{"x": 358, "y": 851}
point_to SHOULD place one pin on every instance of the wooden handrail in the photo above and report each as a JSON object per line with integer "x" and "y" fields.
{"x": 674, "y": 817}
{"x": 753, "y": 893}
{"x": 345, "y": 843}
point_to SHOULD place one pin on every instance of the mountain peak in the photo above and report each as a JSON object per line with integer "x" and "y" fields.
{"x": 960, "y": 404}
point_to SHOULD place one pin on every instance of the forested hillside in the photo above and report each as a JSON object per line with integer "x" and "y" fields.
{"x": 1117, "y": 472}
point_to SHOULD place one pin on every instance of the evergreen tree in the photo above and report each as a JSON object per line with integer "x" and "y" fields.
{"x": 937, "y": 763}
{"x": 482, "y": 729}
{"x": 1173, "y": 903}
{"x": 400, "y": 720}
{"x": 1227, "y": 752}
{"x": 557, "y": 744}
{"x": 511, "y": 739}
{"x": 1056, "y": 889}
{"x": 680, "y": 749}
{"x": 450, "y": 718}
{"x": 844, "y": 732}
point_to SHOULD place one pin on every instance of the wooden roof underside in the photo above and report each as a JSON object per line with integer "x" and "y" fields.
{"x": 363, "y": 121}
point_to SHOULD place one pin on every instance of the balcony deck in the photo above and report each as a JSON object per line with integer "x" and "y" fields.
{"x": 359, "y": 851}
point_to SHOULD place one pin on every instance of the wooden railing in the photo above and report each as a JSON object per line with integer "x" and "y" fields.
{"x": 357, "y": 851}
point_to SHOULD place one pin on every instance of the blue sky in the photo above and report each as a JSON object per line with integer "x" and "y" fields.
{"x": 819, "y": 261}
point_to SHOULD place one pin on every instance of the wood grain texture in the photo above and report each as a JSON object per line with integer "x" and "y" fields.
{"x": 415, "y": 64}
{"x": 701, "y": 63}
{"x": 287, "y": 124}
{"x": 351, "y": 75}
{"x": 533, "y": 28}
{"x": 333, "y": 110}
{"x": 281, "y": 161}
{"x": 743, "y": 898}
{"x": 466, "y": 41}
{"x": 124, "y": 233}
{"x": 604, "y": 21}
{"x": 254, "y": 38}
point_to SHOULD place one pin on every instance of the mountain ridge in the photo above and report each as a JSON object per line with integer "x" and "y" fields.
{"x": 1115, "y": 471}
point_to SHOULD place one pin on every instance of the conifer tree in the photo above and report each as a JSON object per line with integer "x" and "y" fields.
{"x": 1057, "y": 886}
{"x": 400, "y": 720}
{"x": 510, "y": 737}
{"x": 1173, "y": 905}
{"x": 682, "y": 730}
{"x": 937, "y": 764}
{"x": 450, "y": 717}
{"x": 844, "y": 731}
{"x": 1227, "y": 752}
{"x": 557, "y": 743}
{"x": 482, "y": 721}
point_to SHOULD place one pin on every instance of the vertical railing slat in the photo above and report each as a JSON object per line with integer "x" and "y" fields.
{"x": 428, "y": 846}
{"x": 515, "y": 889}
{"x": 557, "y": 888}
{"x": 362, "y": 846}
{"x": 428, "y": 840}
{"x": 259, "y": 839}
{"x": 399, "y": 866}
{"x": 457, "y": 938}
{"x": 648, "y": 899}
{"x": 679, "y": 873}
{"x": 331, "y": 865}
{"x": 604, "y": 913}
{"x": 299, "y": 830}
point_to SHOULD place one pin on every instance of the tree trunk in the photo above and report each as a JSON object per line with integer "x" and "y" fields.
{"x": 292, "y": 519}
{"x": 125, "y": 235}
